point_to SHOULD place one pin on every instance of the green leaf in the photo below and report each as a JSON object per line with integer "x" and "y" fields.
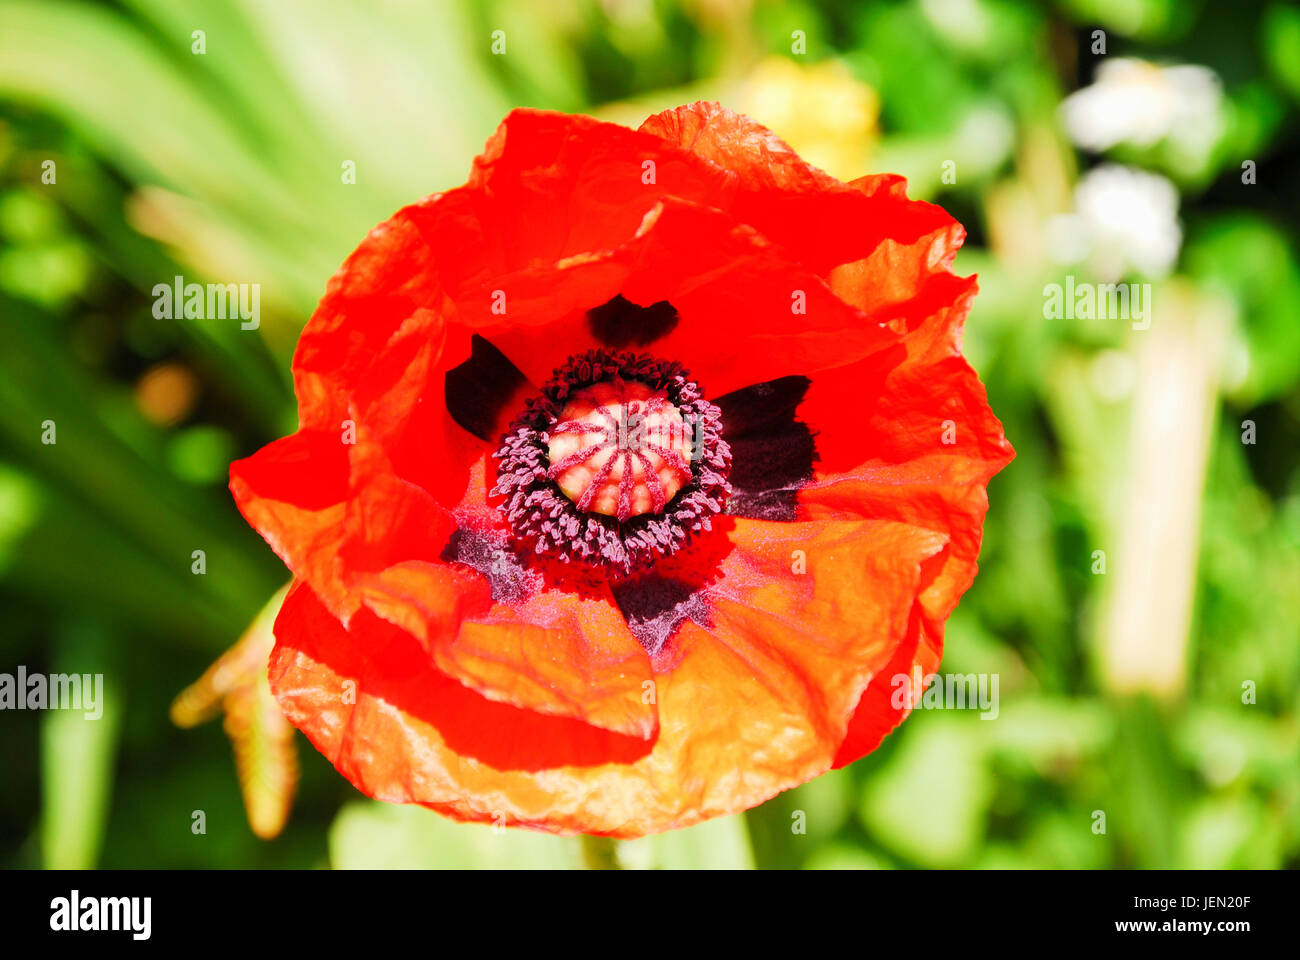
{"x": 1249, "y": 258}
{"x": 928, "y": 803}
{"x": 1280, "y": 33}
{"x": 78, "y": 750}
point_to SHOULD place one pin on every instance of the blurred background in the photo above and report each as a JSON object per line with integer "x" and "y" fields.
{"x": 1139, "y": 598}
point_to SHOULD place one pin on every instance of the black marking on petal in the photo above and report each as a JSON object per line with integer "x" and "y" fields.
{"x": 510, "y": 580}
{"x": 655, "y": 606}
{"x": 480, "y": 389}
{"x": 621, "y": 323}
{"x": 772, "y": 453}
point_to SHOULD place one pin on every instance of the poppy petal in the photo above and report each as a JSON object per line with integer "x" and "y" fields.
{"x": 725, "y": 281}
{"x": 556, "y": 652}
{"x": 754, "y": 704}
{"x": 933, "y": 444}
{"x": 821, "y": 221}
{"x": 294, "y": 492}
{"x": 370, "y": 699}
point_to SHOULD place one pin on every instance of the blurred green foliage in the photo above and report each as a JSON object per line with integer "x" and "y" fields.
{"x": 225, "y": 165}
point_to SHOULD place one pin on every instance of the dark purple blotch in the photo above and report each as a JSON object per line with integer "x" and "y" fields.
{"x": 772, "y": 452}
{"x": 655, "y": 606}
{"x": 490, "y": 554}
{"x": 479, "y": 389}
{"x": 620, "y": 323}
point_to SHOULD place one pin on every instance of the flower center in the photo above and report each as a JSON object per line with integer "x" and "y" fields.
{"x": 621, "y": 449}
{"x": 618, "y": 462}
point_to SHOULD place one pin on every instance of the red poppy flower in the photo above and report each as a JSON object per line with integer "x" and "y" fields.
{"x": 628, "y": 475}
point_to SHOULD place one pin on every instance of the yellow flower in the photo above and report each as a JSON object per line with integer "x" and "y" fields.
{"x": 825, "y": 113}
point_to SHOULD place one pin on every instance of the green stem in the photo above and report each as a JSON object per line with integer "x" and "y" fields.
{"x": 598, "y": 853}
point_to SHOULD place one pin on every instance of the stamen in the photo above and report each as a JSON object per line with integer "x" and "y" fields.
{"x": 619, "y": 461}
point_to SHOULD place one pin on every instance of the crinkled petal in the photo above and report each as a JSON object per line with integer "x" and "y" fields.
{"x": 557, "y": 652}
{"x": 920, "y": 448}
{"x": 750, "y": 704}
{"x": 294, "y": 492}
{"x": 822, "y": 222}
